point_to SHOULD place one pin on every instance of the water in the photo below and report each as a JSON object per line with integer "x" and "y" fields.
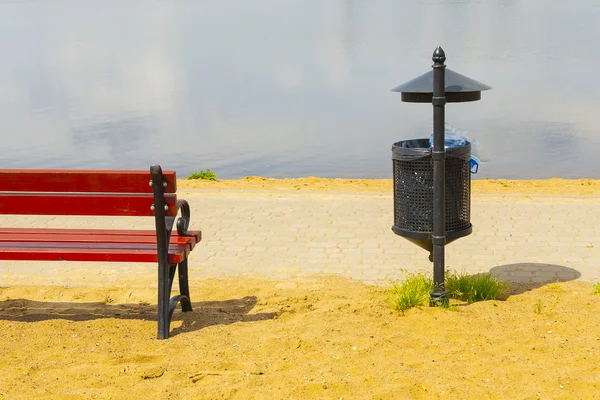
{"x": 293, "y": 88}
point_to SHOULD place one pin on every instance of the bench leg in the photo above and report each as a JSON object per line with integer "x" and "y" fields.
{"x": 184, "y": 288}
{"x": 164, "y": 292}
{"x": 166, "y": 306}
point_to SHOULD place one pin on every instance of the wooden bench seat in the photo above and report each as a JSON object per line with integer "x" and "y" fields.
{"x": 91, "y": 245}
{"x": 103, "y": 193}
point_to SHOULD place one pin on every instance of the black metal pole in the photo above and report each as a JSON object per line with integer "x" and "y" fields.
{"x": 439, "y": 294}
{"x": 162, "y": 243}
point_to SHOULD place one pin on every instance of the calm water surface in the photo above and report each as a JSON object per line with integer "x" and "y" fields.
{"x": 293, "y": 88}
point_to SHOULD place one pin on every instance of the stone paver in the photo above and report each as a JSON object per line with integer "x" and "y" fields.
{"x": 293, "y": 234}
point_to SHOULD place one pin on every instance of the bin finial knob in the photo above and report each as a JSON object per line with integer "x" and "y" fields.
{"x": 439, "y": 57}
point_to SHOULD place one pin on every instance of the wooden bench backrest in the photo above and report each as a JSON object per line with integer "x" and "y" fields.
{"x": 79, "y": 192}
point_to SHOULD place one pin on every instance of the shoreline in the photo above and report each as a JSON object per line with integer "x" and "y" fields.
{"x": 479, "y": 186}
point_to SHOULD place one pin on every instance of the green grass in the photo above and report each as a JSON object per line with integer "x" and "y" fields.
{"x": 538, "y": 308}
{"x": 206, "y": 174}
{"x": 472, "y": 288}
{"x": 597, "y": 289}
{"x": 413, "y": 291}
{"x": 555, "y": 286}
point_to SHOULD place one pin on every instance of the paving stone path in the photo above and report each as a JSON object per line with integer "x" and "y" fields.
{"x": 279, "y": 234}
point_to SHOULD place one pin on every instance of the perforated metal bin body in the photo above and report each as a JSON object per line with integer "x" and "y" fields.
{"x": 413, "y": 191}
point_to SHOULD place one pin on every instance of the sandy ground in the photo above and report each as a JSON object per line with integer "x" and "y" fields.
{"x": 312, "y": 338}
{"x": 483, "y": 186}
{"x": 321, "y": 338}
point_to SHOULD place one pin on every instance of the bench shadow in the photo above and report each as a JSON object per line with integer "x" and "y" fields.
{"x": 204, "y": 314}
{"x": 524, "y": 277}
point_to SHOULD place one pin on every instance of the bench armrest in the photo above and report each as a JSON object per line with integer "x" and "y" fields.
{"x": 183, "y": 222}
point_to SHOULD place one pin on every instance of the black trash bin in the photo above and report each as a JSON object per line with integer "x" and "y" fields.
{"x": 413, "y": 191}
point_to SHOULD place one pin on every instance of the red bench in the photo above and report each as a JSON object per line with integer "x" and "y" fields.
{"x": 103, "y": 193}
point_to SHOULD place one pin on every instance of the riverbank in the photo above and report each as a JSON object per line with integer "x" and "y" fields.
{"x": 482, "y": 186}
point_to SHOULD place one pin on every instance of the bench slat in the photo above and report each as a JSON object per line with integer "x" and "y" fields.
{"x": 89, "y": 252}
{"x": 81, "y": 204}
{"x": 107, "y": 181}
{"x": 197, "y": 235}
{"x": 94, "y": 238}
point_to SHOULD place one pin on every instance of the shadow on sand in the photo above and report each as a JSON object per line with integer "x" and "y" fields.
{"x": 524, "y": 277}
{"x": 204, "y": 314}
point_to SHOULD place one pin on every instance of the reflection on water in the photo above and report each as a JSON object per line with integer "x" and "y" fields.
{"x": 292, "y": 88}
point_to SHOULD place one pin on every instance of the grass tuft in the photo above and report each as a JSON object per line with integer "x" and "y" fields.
{"x": 206, "y": 175}
{"x": 416, "y": 288}
{"x": 538, "y": 308}
{"x": 413, "y": 291}
{"x": 555, "y": 286}
{"x": 597, "y": 289}
{"x": 472, "y": 288}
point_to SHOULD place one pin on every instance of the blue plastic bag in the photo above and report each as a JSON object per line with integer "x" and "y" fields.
{"x": 474, "y": 164}
{"x": 457, "y": 138}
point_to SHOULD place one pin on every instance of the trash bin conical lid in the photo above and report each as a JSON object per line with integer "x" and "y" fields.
{"x": 459, "y": 88}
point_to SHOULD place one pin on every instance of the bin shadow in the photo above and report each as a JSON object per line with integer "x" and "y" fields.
{"x": 524, "y": 277}
{"x": 204, "y": 314}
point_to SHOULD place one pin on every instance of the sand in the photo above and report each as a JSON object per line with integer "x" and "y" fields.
{"x": 482, "y": 186}
{"x": 309, "y": 338}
